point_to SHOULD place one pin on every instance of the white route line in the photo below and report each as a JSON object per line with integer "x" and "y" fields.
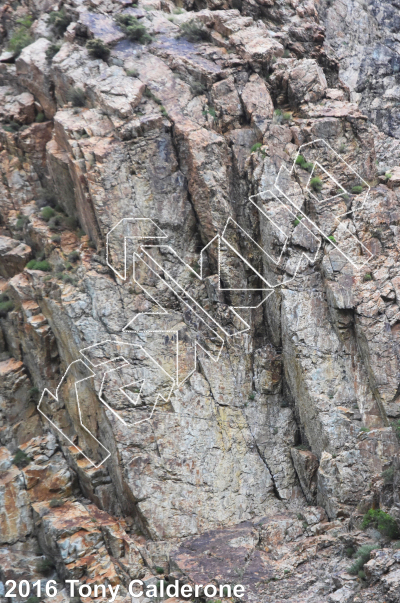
{"x": 180, "y": 292}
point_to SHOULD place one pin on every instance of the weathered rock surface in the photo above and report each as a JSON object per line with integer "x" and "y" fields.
{"x": 259, "y": 466}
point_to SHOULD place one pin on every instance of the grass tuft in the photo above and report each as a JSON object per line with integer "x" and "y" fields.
{"x": 76, "y": 96}
{"x": 194, "y": 32}
{"x": 316, "y": 184}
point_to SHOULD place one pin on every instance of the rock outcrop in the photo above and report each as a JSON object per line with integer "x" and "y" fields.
{"x": 200, "y": 297}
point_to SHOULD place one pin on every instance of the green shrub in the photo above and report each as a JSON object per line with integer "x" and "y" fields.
{"x": 300, "y": 160}
{"x": 71, "y": 222}
{"x": 163, "y": 111}
{"x": 388, "y": 175}
{"x": 39, "y": 118}
{"x": 33, "y": 600}
{"x": 382, "y": 521}
{"x": 388, "y": 475}
{"x": 365, "y": 429}
{"x": 286, "y": 54}
{"x": 56, "y": 239}
{"x": 55, "y": 222}
{"x": 278, "y": 112}
{"x": 316, "y": 184}
{"x": 74, "y": 256}
{"x": 132, "y": 72}
{"x": 12, "y": 126}
{"x": 60, "y": 21}
{"x": 47, "y": 213}
{"x": 21, "y": 459}
{"x": 308, "y": 166}
{"x": 56, "y": 502}
{"x": 349, "y": 551}
{"x": 52, "y": 51}
{"x": 367, "y": 277}
{"x": 361, "y": 575}
{"x": 133, "y": 29}
{"x": 159, "y": 570}
{"x": 396, "y": 427}
{"x": 97, "y": 49}
{"x": 342, "y": 148}
{"x": 256, "y": 147}
{"x": 198, "y": 89}
{"x": 151, "y": 95}
{"x": 287, "y": 116}
{"x": 356, "y": 190}
{"x": 20, "y": 223}
{"x": 34, "y": 393}
{"x": 76, "y": 96}
{"x": 194, "y": 32}
{"x": 69, "y": 279}
{"x": 44, "y": 566}
{"x": 21, "y": 36}
{"x": 297, "y": 220}
{"x": 6, "y": 305}
{"x": 43, "y": 265}
{"x": 252, "y": 396}
{"x": 362, "y": 555}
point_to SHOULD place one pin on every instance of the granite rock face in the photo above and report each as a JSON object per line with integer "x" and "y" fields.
{"x": 199, "y": 370}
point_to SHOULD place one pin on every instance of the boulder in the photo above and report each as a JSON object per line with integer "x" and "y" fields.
{"x": 33, "y": 70}
{"x": 257, "y": 103}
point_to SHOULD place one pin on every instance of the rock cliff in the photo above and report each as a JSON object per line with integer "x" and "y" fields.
{"x": 200, "y": 296}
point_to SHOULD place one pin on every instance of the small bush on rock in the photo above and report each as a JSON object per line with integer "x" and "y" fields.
{"x": 21, "y": 459}
{"x": 97, "y": 49}
{"x": 316, "y": 184}
{"x": 133, "y": 29}
{"x": 52, "y": 51}
{"x": 21, "y": 36}
{"x": 382, "y": 521}
{"x": 76, "y": 96}
{"x": 362, "y": 555}
{"x": 47, "y": 213}
{"x": 74, "y": 256}
{"x": 6, "y": 305}
{"x": 59, "y": 20}
{"x": 194, "y": 32}
{"x": 388, "y": 475}
{"x": 44, "y": 265}
{"x": 44, "y": 566}
{"x": 56, "y": 502}
{"x": 356, "y": 190}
